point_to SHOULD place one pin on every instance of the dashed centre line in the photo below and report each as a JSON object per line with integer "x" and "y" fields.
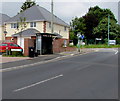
{"x": 29, "y": 86}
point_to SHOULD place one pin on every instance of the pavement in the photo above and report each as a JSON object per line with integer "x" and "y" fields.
{"x": 12, "y": 59}
{"x": 8, "y": 62}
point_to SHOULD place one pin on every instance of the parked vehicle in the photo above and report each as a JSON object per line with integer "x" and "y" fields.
{"x": 9, "y": 46}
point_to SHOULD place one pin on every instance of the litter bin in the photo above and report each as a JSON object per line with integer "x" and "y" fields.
{"x": 31, "y": 52}
{"x": 36, "y": 54}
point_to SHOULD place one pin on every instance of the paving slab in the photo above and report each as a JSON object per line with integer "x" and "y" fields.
{"x": 12, "y": 59}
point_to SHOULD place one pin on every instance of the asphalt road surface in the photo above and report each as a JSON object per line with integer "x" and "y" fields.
{"x": 89, "y": 76}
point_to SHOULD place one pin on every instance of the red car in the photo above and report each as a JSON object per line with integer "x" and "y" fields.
{"x": 9, "y": 46}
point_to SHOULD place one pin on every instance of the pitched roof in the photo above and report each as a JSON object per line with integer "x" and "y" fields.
{"x": 33, "y": 32}
{"x": 37, "y": 13}
{"x": 27, "y": 32}
{"x": 3, "y": 18}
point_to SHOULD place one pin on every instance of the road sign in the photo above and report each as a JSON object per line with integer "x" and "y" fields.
{"x": 112, "y": 42}
{"x": 78, "y": 35}
{"x": 98, "y": 38}
{"x": 82, "y": 37}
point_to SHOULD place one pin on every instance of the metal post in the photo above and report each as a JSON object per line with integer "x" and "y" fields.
{"x": 78, "y": 45}
{"x": 81, "y": 44}
{"x": 52, "y": 16}
{"x": 79, "y": 36}
{"x": 108, "y": 28}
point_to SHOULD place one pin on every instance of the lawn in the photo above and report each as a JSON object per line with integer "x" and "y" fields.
{"x": 100, "y": 46}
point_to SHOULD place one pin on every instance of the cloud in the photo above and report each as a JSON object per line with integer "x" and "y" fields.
{"x": 68, "y": 10}
{"x": 11, "y": 8}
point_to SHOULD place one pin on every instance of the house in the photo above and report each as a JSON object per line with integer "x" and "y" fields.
{"x": 3, "y": 18}
{"x": 35, "y": 24}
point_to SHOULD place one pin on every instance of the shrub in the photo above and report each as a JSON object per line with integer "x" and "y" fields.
{"x": 15, "y": 53}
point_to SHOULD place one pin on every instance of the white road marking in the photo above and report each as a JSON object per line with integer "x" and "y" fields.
{"x": 116, "y": 52}
{"x": 57, "y": 57}
{"x": 37, "y": 83}
{"x": 86, "y": 66}
{"x": 71, "y": 54}
{"x": 42, "y": 62}
{"x": 28, "y": 65}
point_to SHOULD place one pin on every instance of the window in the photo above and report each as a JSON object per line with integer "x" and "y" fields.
{"x": 49, "y": 25}
{"x": 11, "y": 44}
{"x": 14, "y": 45}
{"x": 65, "y": 28}
{"x": 14, "y": 25}
{"x": 33, "y": 24}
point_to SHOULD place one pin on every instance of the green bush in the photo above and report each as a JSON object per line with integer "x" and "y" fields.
{"x": 118, "y": 40}
{"x": 15, "y": 53}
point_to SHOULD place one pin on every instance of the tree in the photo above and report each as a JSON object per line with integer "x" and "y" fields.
{"x": 78, "y": 25}
{"x": 118, "y": 35}
{"x": 27, "y": 4}
{"x": 73, "y": 37}
{"x": 95, "y": 21}
{"x": 21, "y": 25}
{"x": 91, "y": 21}
{"x": 101, "y": 31}
{"x": 99, "y": 13}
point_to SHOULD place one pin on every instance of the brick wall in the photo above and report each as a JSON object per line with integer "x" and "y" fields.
{"x": 28, "y": 43}
{"x": 58, "y": 46}
{"x": 8, "y": 38}
{"x": 44, "y": 26}
{"x": 15, "y": 40}
{"x": 33, "y": 37}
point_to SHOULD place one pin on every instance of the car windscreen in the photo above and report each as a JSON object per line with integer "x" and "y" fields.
{"x": 3, "y": 44}
{"x": 15, "y": 45}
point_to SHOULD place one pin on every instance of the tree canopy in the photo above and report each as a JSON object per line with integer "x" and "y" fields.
{"x": 94, "y": 24}
{"x": 27, "y": 4}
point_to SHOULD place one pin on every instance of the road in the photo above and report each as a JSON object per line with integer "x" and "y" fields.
{"x": 89, "y": 76}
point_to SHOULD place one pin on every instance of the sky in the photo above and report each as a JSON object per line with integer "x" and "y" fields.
{"x": 64, "y": 9}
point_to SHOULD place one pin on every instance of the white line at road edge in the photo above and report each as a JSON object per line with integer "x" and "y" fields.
{"x": 42, "y": 62}
{"x": 23, "y": 66}
{"x": 37, "y": 83}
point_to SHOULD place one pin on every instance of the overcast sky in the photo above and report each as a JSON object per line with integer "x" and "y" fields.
{"x": 64, "y": 9}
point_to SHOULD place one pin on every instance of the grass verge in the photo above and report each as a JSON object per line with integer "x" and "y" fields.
{"x": 100, "y": 46}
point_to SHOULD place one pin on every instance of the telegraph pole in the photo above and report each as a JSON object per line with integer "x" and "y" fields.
{"x": 52, "y": 16}
{"x": 108, "y": 28}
